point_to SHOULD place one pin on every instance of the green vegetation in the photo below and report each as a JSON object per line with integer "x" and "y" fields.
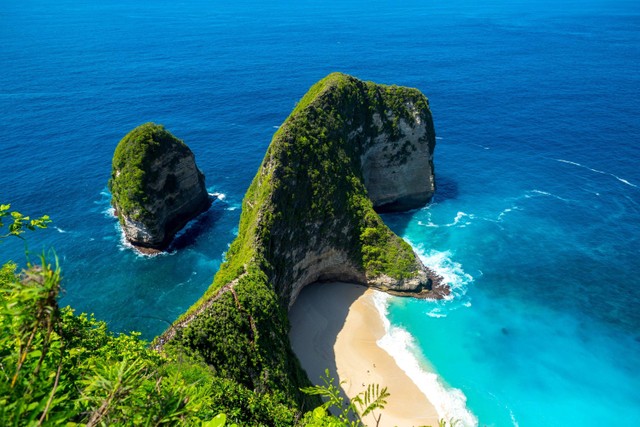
{"x": 350, "y": 412}
{"x": 316, "y": 187}
{"x": 309, "y": 190}
{"x": 383, "y": 252}
{"x": 130, "y": 177}
{"x": 58, "y": 368}
{"x": 20, "y": 223}
{"x": 243, "y": 336}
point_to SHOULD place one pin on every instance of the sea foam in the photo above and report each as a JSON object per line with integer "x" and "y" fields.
{"x": 622, "y": 180}
{"x": 441, "y": 263}
{"x": 450, "y": 403}
{"x": 462, "y": 219}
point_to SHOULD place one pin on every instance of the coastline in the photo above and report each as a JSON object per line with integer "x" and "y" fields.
{"x": 336, "y": 326}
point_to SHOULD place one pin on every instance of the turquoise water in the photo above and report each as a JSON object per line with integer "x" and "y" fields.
{"x": 537, "y": 214}
{"x": 543, "y": 329}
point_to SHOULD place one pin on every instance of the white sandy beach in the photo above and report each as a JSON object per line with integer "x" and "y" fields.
{"x": 336, "y": 326}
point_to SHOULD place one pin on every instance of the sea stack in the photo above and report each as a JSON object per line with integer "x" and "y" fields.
{"x": 348, "y": 150}
{"x": 156, "y": 187}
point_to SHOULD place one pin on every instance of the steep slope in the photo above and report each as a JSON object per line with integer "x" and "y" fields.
{"x": 156, "y": 186}
{"x": 309, "y": 216}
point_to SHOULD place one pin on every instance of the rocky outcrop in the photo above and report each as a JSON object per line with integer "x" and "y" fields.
{"x": 330, "y": 265}
{"x": 351, "y": 146}
{"x": 348, "y": 148}
{"x": 156, "y": 187}
{"x": 397, "y": 167}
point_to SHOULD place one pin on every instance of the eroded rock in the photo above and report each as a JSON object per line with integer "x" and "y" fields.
{"x": 156, "y": 187}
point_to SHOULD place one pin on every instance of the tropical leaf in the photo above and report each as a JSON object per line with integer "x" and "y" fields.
{"x": 373, "y": 398}
{"x": 217, "y": 421}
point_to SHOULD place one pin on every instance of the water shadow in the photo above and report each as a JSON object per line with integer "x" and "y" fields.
{"x": 189, "y": 235}
{"x": 446, "y": 189}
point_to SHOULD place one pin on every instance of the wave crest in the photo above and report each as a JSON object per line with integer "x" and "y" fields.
{"x": 451, "y": 271}
{"x": 622, "y": 180}
{"x": 450, "y": 403}
{"x": 461, "y": 220}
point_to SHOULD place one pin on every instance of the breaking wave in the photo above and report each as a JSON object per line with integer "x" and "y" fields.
{"x": 451, "y": 271}
{"x": 450, "y": 403}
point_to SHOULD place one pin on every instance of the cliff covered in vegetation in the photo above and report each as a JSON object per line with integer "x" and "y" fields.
{"x": 310, "y": 212}
{"x": 309, "y": 216}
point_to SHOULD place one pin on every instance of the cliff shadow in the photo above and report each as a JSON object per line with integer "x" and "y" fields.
{"x": 317, "y": 317}
{"x": 196, "y": 227}
{"x": 446, "y": 189}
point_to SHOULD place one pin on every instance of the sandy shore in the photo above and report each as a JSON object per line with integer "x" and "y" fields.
{"x": 336, "y": 326}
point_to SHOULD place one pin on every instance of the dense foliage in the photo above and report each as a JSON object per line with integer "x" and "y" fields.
{"x": 244, "y": 336}
{"x": 315, "y": 193}
{"x": 131, "y": 174}
{"x": 60, "y": 368}
{"x": 56, "y": 367}
{"x": 309, "y": 190}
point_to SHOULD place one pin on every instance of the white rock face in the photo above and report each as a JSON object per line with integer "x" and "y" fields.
{"x": 398, "y": 172}
{"x": 327, "y": 264}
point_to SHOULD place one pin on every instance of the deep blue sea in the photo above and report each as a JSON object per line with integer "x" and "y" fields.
{"x": 536, "y": 220}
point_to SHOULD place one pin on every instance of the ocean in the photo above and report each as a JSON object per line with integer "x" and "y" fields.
{"x": 536, "y": 218}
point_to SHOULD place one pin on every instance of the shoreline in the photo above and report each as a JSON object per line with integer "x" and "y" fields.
{"x": 337, "y": 326}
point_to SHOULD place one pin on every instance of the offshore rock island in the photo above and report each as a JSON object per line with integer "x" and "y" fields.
{"x": 156, "y": 187}
{"x": 348, "y": 148}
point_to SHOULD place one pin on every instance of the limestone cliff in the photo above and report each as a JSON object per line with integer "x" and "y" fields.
{"x": 348, "y": 147}
{"x": 397, "y": 158}
{"x": 308, "y": 216}
{"x": 156, "y": 186}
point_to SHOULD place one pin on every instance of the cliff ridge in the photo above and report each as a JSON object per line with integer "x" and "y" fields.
{"x": 349, "y": 148}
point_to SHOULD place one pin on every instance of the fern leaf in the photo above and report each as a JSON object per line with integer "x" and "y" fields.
{"x": 374, "y": 398}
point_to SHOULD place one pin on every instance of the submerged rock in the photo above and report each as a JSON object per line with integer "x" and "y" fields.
{"x": 156, "y": 187}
